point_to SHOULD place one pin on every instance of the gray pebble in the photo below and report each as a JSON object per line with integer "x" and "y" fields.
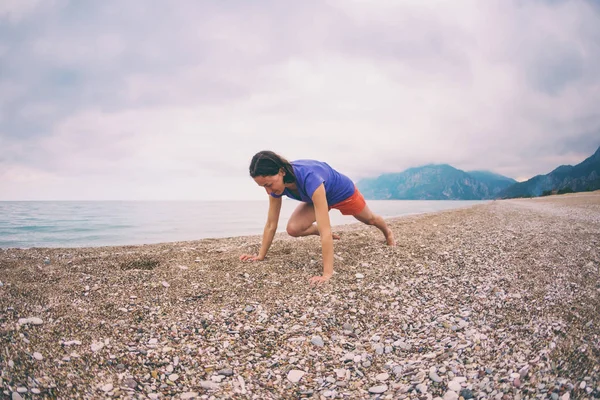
{"x": 225, "y": 372}
{"x": 317, "y": 341}
{"x": 434, "y": 377}
{"x": 378, "y": 389}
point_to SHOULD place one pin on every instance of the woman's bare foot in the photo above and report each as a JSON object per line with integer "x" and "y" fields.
{"x": 389, "y": 238}
{"x": 335, "y": 236}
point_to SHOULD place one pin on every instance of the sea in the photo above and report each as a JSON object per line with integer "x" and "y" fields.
{"x": 27, "y": 224}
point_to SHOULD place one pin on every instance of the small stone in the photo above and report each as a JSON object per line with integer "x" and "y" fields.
{"x": 434, "y": 377}
{"x": 249, "y": 309}
{"x": 347, "y": 327}
{"x": 382, "y": 377}
{"x": 450, "y": 395}
{"x": 107, "y": 388}
{"x": 467, "y": 394}
{"x": 130, "y": 383}
{"x": 30, "y": 320}
{"x": 173, "y": 377}
{"x": 360, "y": 276}
{"x": 22, "y": 389}
{"x": 209, "y": 385}
{"x": 35, "y": 391}
{"x": 188, "y": 395}
{"x": 582, "y": 385}
{"x": 317, "y": 341}
{"x": 295, "y": 375}
{"x": 566, "y": 396}
{"x": 517, "y": 382}
{"x": 421, "y": 388}
{"x": 38, "y": 356}
{"x": 97, "y": 346}
{"x": 153, "y": 341}
{"x": 523, "y": 371}
{"x": 16, "y": 396}
{"x": 454, "y": 386}
{"x": 225, "y": 372}
{"x": 378, "y": 389}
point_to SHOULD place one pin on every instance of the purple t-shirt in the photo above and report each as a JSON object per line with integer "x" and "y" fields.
{"x": 309, "y": 176}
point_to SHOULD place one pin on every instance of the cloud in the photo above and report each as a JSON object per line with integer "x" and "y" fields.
{"x": 125, "y": 100}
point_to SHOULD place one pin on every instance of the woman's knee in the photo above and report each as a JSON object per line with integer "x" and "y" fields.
{"x": 372, "y": 220}
{"x": 293, "y": 229}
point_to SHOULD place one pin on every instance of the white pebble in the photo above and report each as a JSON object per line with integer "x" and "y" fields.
{"x": 173, "y": 377}
{"x": 360, "y": 276}
{"x": 38, "y": 356}
{"x": 107, "y": 388}
{"x": 382, "y": 377}
{"x": 378, "y": 389}
{"x": 188, "y": 395}
{"x": 165, "y": 284}
{"x": 30, "y": 320}
{"x": 96, "y": 346}
{"x": 450, "y": 395}
{"x": 295, "y": 375}
{"x": 421, "y": 388}
{"x": 209, "y": 385}
{"x": 454, "y": 386}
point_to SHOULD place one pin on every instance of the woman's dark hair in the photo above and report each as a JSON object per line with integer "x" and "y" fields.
{"x": 267, "y": 163}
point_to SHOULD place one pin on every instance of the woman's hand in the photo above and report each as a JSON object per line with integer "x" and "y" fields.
{"x": 250, "y": 257}
{"x": 319, "y": 280}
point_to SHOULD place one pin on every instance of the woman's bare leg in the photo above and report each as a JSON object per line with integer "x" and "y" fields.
{"x": 366, "y": 216}
{"x": 302, "y": 222}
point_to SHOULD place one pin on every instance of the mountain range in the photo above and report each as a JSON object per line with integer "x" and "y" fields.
{"x": 584, "y": 176}
{"x": 435, "y": 182}
{"x": 444, "y": 182}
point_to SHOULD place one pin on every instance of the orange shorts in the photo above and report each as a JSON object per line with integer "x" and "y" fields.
{"x": 352, "y": 205}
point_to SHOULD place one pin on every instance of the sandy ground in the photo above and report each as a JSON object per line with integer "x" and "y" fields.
{"x": 495, "y": 301}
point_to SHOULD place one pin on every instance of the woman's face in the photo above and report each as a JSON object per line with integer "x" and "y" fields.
{"x": 272, "y": 184}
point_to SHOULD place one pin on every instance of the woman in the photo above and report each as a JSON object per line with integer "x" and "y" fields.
{"x": 320, "y": 188}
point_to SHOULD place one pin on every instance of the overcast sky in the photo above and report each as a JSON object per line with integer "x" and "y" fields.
{"x": 138, "y": 99}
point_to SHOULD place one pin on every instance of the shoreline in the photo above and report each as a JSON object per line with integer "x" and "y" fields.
{"x": 150, "y": 233}
{"x": 499, "y": 299}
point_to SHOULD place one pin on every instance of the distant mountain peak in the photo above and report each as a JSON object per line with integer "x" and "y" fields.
{"x": 434, "y": 182}
{"x": 566, "y": 178}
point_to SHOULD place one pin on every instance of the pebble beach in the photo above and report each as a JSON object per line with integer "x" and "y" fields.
{"x": 497, "y": 301}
